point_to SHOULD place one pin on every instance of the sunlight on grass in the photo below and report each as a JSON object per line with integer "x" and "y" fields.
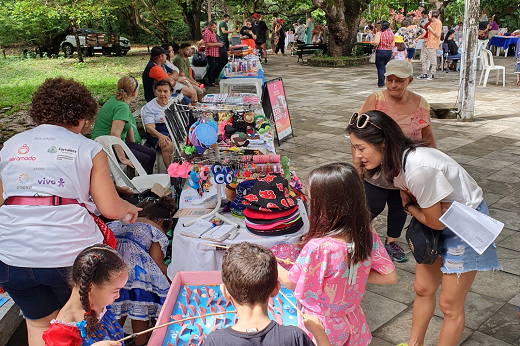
{"x": 21, "y": 77}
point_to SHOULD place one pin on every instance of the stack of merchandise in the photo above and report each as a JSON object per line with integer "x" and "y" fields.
{"x": 239, "y": 50}
{"x": 270, "y": 210}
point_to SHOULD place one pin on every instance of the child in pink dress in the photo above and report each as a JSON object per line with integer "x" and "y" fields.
{"x": 341, "y": 253}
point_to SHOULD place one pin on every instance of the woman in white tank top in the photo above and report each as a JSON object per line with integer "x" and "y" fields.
{"x": 52, "y": 177}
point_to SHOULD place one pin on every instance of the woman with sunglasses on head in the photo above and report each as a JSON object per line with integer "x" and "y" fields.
{"x": 429, "y": 181}
{"x": 412, "y": 114}
{"x": 115, "y": 119}
{"x": 143, "y": 248}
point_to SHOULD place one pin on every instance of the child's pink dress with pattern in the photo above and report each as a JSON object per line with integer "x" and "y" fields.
{"x": 321, "y": 275}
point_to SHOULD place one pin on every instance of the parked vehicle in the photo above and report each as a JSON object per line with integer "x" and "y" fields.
{"x": 93, "y": 42}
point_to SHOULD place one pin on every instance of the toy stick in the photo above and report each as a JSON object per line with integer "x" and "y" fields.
{"x": 294, "y": 306}
{"x": 131, "y": 336}
{"x": 286, "y": 261}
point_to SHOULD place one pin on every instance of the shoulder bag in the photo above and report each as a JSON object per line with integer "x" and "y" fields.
{"x": 424, "y": 242}
{"x": 372, "y": 58}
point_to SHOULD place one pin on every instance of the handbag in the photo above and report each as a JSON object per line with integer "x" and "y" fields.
{"x": 424, "y": 242}
{"x": 199, "y": 59}
{"x": 372, "y": 58}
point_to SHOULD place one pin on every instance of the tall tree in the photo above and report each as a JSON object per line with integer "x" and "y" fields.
{"x": 343, "y": 17}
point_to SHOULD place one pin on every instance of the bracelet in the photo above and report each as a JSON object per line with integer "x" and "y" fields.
{"x": 407, "y": 205}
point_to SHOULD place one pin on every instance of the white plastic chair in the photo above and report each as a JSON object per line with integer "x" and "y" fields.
{"x": 489, "y": 66}
{"x": 139, "y": 183}
{"x": 480, "y": 60}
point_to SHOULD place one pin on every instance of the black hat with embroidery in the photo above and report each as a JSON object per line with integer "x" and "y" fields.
{"x": 269, "y": 194}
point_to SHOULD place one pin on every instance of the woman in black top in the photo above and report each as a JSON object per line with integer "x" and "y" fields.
{"x": 280, "y": 44}
{"x": 247, "y": 35}
{"x": 453, "y": 49}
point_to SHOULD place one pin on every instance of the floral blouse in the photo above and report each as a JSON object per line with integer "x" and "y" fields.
{"x": 410, "y": 34}
{"x": 321, "y": 275}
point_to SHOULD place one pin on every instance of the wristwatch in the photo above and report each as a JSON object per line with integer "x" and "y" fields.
{"x": 407, "y": 205}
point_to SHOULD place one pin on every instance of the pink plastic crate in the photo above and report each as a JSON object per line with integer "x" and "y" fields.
{"x": 181, "y": 278}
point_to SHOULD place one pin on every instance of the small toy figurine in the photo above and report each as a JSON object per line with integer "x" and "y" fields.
{"x": 262, "y": 125}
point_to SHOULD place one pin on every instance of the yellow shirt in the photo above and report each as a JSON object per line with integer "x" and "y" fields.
{"x": 433, "y": 41}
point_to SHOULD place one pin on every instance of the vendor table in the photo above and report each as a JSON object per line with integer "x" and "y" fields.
{"x": 190, "y": 254}
{"x": 259, "y": 76}
{"x": 503, "y": 42}
{"x": 227, "y": 84}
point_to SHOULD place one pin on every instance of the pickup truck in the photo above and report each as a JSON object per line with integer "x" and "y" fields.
{"x": 96, "y": 42}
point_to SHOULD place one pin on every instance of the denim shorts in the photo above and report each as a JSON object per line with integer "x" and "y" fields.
{"x": 458, "y": 257}
{"x": 38, "y": 292}
{"x": 410, "y": 53}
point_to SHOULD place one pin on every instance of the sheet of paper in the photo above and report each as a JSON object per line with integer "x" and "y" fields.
{"x": 198, "y": 229}
{"x": 478, "y": 230}
{"x": 186, "y": 212}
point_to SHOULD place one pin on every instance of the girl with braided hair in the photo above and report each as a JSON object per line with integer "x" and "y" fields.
{"x": 96, "y": 277}
{"x": 143, "y": 246}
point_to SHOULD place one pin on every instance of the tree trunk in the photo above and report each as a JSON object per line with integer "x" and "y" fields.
{"x": 78, "y": 44}
{"x": 468, "y": 73}
{"x": 343, "y": 17}
{"x": 191, "y": 14}
{"x": 128, "y": 14}
{"x": 441, "y": 6}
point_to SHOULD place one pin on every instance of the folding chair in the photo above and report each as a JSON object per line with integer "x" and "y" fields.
{"x": 139, "y": 183}
{"x": 489, "y": 66}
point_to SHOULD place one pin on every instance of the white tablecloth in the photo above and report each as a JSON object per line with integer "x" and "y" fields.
{"x": 190, "y": 254}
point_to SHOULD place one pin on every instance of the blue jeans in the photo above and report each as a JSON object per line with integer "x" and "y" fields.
{"x": 382, "y": 58}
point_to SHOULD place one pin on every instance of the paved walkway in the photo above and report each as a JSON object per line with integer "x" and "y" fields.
{"x": 321, "y": 101}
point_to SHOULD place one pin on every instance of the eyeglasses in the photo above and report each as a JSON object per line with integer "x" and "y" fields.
{"x": 361, "y": 121}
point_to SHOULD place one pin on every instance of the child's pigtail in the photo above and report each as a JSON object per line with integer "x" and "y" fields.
{"x": 88, "y": 270}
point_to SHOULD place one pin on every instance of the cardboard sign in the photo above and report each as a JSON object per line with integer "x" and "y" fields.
{"x": 275, "y": 107}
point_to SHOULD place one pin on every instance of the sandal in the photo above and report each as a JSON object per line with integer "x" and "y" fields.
{"x": 214, "y": 85}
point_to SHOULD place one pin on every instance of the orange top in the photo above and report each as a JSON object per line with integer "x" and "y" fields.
{"x": 433, "y": 41}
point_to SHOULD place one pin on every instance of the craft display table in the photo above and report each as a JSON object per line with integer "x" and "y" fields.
{"x": 190, "y": 254}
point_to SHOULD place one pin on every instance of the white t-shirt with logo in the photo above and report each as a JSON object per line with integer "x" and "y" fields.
{"x": 432, "y": 176}
{"x": 48, "y": 160}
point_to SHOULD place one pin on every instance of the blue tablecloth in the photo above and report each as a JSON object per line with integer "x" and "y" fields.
{"x": 503, "y": 41}
{"x": 260, "y": 75}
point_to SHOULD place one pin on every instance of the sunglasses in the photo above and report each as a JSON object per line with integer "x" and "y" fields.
{"x": 361, "y": 121}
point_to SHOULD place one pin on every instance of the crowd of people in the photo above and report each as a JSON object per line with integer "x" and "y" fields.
{"x": 438, "y": 41}
{"x": 73, "y": 290}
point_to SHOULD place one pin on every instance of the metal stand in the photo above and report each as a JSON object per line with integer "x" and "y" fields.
{"x": 214, "y": 212}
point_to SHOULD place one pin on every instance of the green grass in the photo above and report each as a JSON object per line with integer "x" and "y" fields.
{"x": 22, "y": 76}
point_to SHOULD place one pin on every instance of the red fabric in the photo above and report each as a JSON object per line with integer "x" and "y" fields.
{"x": 257, "y": 214}
{"x": 108, "y": 236}
{"x": 426, "y": 28}
{"x": 387, "y": 38}
{"x": 210, "y": 37}
{"x": 62, "y": 335}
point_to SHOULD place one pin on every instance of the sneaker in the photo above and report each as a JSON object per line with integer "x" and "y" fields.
{"x": 265, "y": 62}
{"x": 432, "y": 77}
{"x": 423, "y": 76}
{"x": 395, "y": 252}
